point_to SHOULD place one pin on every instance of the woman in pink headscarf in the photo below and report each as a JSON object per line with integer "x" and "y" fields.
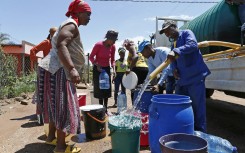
{"x": 64, "y": 62}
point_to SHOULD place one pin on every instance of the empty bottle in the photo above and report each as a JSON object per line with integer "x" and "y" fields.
{"x": 121, "y": 102}
{"x": 104, "y": 80}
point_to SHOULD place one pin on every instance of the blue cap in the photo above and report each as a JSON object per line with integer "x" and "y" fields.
{"x": 142, "y": 45}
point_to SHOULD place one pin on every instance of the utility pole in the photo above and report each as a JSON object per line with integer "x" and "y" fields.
{"x": 88, "y": 69}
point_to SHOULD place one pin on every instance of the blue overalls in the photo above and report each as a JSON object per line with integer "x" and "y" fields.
{"x": 192, "y": 72}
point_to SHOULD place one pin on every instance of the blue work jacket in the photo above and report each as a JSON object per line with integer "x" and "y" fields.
{"x": 189, "y": 64}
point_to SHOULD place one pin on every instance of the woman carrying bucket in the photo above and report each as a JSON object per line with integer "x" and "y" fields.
{"x": 102, "y": 57}
{"x": 65, "y": 60}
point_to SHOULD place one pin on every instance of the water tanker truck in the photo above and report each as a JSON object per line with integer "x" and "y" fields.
{"x": 220, "y": 39}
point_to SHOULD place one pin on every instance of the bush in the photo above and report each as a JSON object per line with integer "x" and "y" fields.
{"x": 10, "y": 84}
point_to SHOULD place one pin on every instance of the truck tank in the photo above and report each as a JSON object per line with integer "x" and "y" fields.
{"x": 221, "y": 22}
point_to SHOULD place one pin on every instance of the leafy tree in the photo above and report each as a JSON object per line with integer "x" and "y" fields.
{"x": 4, "y": 38}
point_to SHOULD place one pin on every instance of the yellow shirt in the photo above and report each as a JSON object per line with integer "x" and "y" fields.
{"x": 140, "y": 62}
{"x": 121, "y": 66}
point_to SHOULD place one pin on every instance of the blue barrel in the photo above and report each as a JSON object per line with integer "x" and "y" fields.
{"x": 169, "y": 114}
{"x": 145, "y": 100}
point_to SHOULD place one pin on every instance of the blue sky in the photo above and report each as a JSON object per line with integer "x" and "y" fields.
{"x": 30, "y": 20}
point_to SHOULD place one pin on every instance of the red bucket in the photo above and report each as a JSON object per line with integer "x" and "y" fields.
{"x": 144, "y": 139}
{"x": 81, "y": 99}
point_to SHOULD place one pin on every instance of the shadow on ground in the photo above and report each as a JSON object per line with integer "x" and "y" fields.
{"x": 30, "y": 117}
{"x": 37, "y": 148}
{"x": 226, "y": 120}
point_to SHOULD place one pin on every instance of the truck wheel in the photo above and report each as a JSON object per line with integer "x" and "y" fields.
{"x": 209, "y": 92}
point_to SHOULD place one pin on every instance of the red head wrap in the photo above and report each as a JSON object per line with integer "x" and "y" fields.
{"x": 75, "y": 8}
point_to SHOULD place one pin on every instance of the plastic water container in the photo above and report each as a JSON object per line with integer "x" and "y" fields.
{"x": 145, "y": 100}
{"x": 104, "y": 80}
{"x": 94, "y": 121}
{"x": 121, "y": 102}
{"x": 124, "y": 139}
{"x": 183, "y": 143}
{"x": 81, "y": 99}
{"x": 169, "y": 114}
{"x": 216, "y": 144}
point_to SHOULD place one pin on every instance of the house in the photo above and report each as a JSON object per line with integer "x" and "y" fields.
{"x": 22, "y": 53}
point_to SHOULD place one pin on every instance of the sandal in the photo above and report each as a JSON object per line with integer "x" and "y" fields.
{"x": 53, "y": 142}
{"x": 70, "y": 149}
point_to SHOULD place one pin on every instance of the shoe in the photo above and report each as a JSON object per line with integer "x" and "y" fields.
{"x": 70, "y": 149}
{"x": 53, "y": 142}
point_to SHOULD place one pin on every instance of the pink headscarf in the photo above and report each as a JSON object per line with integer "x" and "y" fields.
{"x": 75, "y": 8}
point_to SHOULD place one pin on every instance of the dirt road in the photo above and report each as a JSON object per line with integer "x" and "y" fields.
{"x": 19, "y": 132}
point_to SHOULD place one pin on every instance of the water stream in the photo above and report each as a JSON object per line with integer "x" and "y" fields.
{"x": 130, "y": 118}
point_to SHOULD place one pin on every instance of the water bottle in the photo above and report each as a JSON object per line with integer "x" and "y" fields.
{"x": 104, "y": 80}
{"x": 216, "y": 144}
{"x": 121, "y": 102}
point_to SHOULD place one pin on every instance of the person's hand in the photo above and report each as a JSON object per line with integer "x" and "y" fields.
{"x": 75, "y": 77}
{"x": 127, "y": 72}
{"x": 176, "y": 74}
{"x": 99, "y": 68}
{"x": 155, "y": 88}
{"x": 171, "y": 56}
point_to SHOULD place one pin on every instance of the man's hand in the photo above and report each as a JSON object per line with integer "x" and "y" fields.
{"x": 171, "y": 56}
{"x": 75, "y": 77}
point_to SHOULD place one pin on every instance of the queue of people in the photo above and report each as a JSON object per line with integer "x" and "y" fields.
{"x": 59, "y": 71}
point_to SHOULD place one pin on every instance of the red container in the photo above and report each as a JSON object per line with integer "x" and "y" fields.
{"x": 144, "y": 138}
{"x": 81, "y": 99}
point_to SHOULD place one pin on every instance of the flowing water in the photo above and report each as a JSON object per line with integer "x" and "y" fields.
{"x": 130, "y": 118}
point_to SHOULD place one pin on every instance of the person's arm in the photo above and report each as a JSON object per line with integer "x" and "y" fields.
{"x": 40, "y": 47}
{"x": 190, "y": 45}
{"x": 94, "y": 52}
{"x": 113, "y": 60}
{"x": 130, "y": 46}
{"x": 67, "y": 34}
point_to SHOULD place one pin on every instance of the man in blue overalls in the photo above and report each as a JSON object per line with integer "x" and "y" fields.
{"x": 190, "y": 70}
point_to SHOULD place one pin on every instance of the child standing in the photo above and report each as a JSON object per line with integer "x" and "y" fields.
{"x": 121, "y": 67}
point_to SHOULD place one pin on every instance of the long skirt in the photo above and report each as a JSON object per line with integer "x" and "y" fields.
{"x": 101, "y": 93}
{"x": 60, "y": 99}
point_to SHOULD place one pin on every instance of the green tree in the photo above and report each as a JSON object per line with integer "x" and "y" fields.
{"x": 4, "y": 38}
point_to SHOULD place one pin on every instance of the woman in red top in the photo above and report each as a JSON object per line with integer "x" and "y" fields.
{"x": 44, "y": 46}
{"x": 102, "y": 55}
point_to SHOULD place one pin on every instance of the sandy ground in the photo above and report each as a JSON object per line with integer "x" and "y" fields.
{"x": 19, "y": 132}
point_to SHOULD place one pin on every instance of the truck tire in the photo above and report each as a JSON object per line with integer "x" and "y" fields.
{"x": 209, "y": 92}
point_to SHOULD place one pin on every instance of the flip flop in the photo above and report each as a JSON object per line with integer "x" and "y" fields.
{"x": 70, "y": 149}
{"x": 53, "y": 142}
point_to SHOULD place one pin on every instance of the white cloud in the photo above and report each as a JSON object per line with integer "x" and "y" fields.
{"x": 185, "y": 17}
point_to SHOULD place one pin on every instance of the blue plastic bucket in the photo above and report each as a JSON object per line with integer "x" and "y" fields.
{"x": 145, "y": 100}
{"x": 169, "y": 114}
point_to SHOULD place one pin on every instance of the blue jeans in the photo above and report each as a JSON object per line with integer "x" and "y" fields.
{"x": 118, "y": 82}
{"x": 197, "y": 93}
